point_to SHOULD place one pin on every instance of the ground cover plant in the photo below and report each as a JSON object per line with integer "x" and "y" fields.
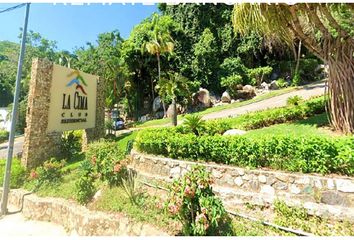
{"x": 4, "y": 136}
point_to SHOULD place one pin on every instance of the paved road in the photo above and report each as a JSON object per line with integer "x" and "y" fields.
{"x": 18, "y": 144}
{"x": 15, "y": 225}
{"x": 306, "y": 92}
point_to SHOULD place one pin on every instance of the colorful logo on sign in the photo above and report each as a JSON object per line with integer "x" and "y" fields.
{"x": 77, "y": 79}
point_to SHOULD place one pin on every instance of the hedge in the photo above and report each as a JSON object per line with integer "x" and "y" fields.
{"x": 4, "y": 136}
{"x": 292, "y": 153}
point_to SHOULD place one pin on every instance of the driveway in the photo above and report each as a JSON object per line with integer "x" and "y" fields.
{"x": 18, "y": 144}
{"x": 15, "y": 225}
{"x": 306, "y": 92}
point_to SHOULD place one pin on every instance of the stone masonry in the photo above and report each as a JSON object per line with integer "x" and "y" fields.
{"x": 78, "y": 219}
{"x": 321, "y": 195}
{"x": 39, "y": 145}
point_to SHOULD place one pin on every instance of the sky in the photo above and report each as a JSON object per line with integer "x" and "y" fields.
{"x": 73, "y": 25}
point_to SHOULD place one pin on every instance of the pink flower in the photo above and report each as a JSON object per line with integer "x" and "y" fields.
{"x": 189, "y": 192}
{"x": 117, "y": 168}
{"x": 173, "y": 209}
{"x": 33, "y": 174}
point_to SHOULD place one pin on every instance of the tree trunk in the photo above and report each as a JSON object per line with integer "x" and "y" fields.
{"x": 298, "y": 58}
{"x": 174, "y": 112}
{"x": 341, "y": 89}
{"x": 164, "y": 108}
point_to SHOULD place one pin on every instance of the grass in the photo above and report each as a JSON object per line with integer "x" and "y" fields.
{"x": 165, "y": 121}
{"x": 125, "y": 138}
{"x": 306, "y": 127}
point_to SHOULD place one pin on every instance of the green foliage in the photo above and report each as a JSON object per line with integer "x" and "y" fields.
{"x": 256, "y": 75}
{"x": 105, "y": 157}
{"x": 4, "y": 136}
{"x": 70, "y": 144}
{"x": 18, "y": 173}
{"x": 194, "y": 124}
{"x": 231, "y": 83}
{"x": 192, "y": 200}
{"x": 296, "y": 81}
{"x": 292, "y": 153}
{"x": 281, "y": 83}
{"x": 84, "y": 189}
{"x": 130, "y": 184}
{"x": 294, "y": 101}
{"x": 49, "y": 173}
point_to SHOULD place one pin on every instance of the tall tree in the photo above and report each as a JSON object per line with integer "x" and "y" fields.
{"x": 171, "y": 86}
{"x": 160, "y": 42}
{"x": 324, "y": 29}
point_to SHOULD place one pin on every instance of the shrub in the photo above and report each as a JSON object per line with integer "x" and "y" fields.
{"x": 292, "y": 153}
{"x": 85, "y": 189}
{"x": 70, "y": 144}
{"x": 4, "y": 136}
{"x": 231, "y": 82}
{"x": 296, "y": 81}
{"x": 281, "y": 83}
{"x": 192, "y": 200}
{"x": 18, "y": 173}
{"x": 194, "y": 124}
{"x": 106, "y": 159}
{"x": 294, "y": 101}
{"x": 49, "y": 172}
{"x": 130, "y": 185}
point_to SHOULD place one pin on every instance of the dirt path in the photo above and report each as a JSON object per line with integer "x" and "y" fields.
{"x": 306, "y": 92}
{"x": 14, "y": 225}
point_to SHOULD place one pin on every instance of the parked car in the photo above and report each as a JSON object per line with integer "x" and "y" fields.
{"x": 118, "y": 123}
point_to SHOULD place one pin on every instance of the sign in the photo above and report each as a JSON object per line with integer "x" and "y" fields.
{"x": 72, "y": 100}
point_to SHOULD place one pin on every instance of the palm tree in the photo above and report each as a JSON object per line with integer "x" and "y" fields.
{"x": 170, "y": 87}
{"x": 160, "y": 42}
{"x": 325, "y": 30}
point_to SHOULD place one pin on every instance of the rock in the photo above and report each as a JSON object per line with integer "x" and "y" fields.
{"x": 273, "y": 85}
{"x": 175, "y": 172}
{"x": 214, "y": 99}
{"x": 332, "y": 198}
{"x": 238, "y": 181}
{"x": 241, "y": 172}
{"x": 344, "y": 185}
{"x": 203, "y": 97}
{"x": 234, "y": 132}
{"x": 262, "y": 179}
{"x": 280, "y": 186}
{"x": 247, "y": 92}
{"x": 157, "y": 104}
{"x": 233, "y": 100}
{"x": 159, "y": 114}
{"x": 170, "y": 110}
{"x": 294, "y": 189}
{"x": 216, "y": 174}
{"x": 266, "y": 189}
{"x": 239, "y": 87}
{"x": 225, "y": 98}
{"x": 254, "y": 185}
{"x": 330, "y": 184}
{"x": 265, "y": 86}
{"x": 145, "y": 118}
{"x": 97, "y": 195}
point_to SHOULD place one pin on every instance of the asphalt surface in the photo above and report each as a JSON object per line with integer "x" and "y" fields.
{"x": 18, "y": 145}
{"x": 306, "y": 92}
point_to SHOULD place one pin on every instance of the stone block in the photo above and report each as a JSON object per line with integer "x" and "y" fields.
{"x": 345, "y": 185}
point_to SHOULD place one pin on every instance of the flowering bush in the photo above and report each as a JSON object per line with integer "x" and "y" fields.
{"x": 49, "y": 172}
{"x": 105, "y": 158}
{"x": 192, "y": 200}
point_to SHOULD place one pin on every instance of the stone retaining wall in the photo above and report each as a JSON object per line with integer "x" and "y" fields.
{"x": 321, "y": 195}
{"x": 78, "y": 219}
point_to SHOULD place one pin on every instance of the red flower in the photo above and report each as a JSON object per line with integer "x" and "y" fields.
{"x": 173, "y": 209}
{"x": 33, "y": 174}
{"x": 117, "y": 168}
{"x": 189, "y": 192}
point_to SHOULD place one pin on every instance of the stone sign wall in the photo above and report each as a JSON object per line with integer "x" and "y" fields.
{"x": 40, "y": 145}
{"x": 320, "y": 195}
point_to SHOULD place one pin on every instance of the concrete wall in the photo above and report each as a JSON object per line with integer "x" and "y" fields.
{"x": 331, "y": 196}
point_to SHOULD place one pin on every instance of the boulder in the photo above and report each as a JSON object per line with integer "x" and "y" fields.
{"x": 232, "y": 132}
{"x": 203, "y": 97}
{"x": 214, "y": 99}
{"x": 265, "y": 86}
{"x": 273, "y": 85}
{"x": 246, "y": 93}
{"x": 226, "y": 98}
{"x": 159, "y": 114}
{"x": 157, "y": 104}
{"x": 170, "y": 110}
